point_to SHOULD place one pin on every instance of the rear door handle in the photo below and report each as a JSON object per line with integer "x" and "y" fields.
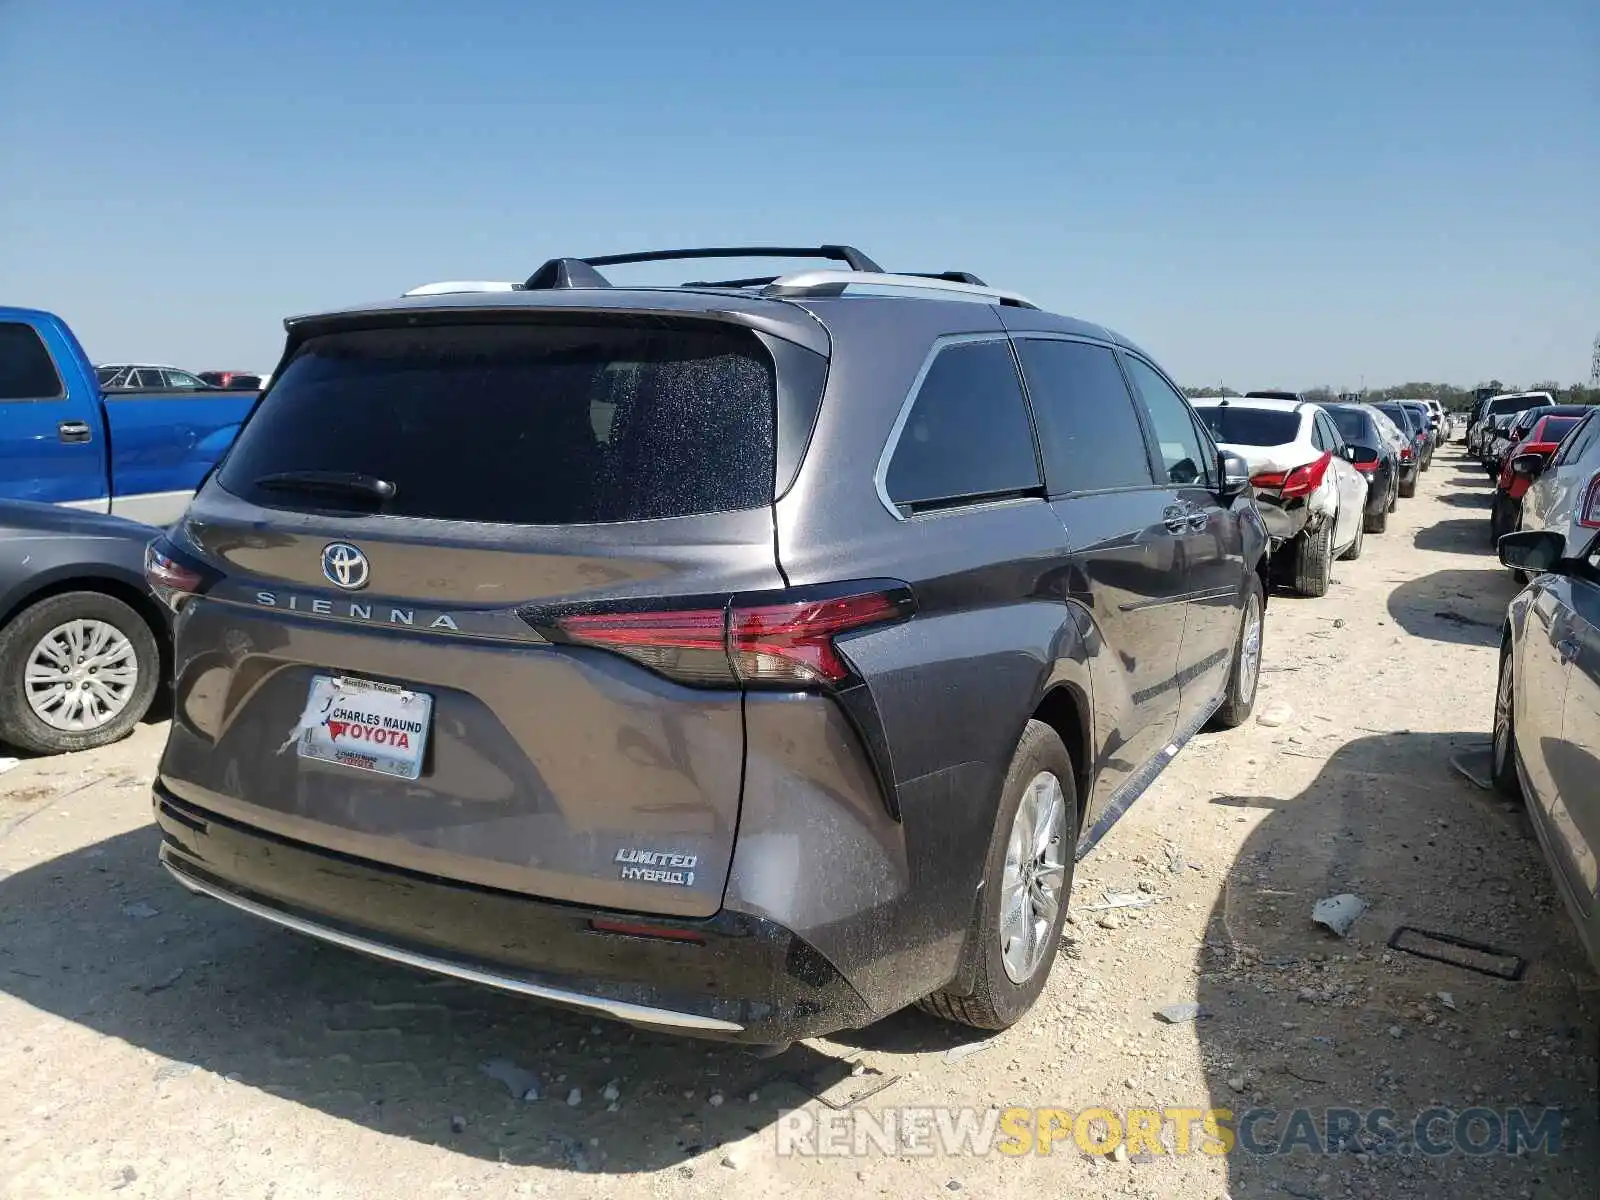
{"x": 1176, "y": 517}
{"x": 73, "y": 431}
{"x": 1199, "y": 518}
{"x": 1568, "y": 650}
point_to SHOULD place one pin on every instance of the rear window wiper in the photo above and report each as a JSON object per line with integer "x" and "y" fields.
{"x": 329, "y": 483}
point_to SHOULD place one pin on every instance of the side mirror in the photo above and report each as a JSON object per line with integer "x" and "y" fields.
{"x": 1531, "y": 465}
{"x": 1235, "y": 474}
{"x": 1534, "y": 551}
{"x": 1362, "y": 456}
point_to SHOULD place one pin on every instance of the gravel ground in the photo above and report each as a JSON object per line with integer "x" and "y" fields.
{"x": 157, "y": 1045}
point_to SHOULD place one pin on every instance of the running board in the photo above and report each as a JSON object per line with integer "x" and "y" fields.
{"x": 1140, "y": 781}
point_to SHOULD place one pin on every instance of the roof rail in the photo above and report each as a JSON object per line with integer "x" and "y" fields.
{"x": 580, "y": 272}
{"x": 451, "y": 286}
{"x": 835, "y": 283}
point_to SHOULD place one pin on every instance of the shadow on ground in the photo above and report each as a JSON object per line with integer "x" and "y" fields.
{"x": 101, "y": 937}
{"x": 1465, "y": 607}
{"x": 1301, "y": 1020}
{"x": 1458, "y": 535}
{"x": 1483, "y": 499}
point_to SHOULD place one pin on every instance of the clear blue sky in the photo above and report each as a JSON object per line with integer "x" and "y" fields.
{"x": 1262, "y": 192}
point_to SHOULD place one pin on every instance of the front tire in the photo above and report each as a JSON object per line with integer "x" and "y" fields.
{"x": 1503, "y": 769}
{"x": 1246, "y": 673}
{"x": 1313, "y": 560}
{"x": 1408, "y": 488}
{"x": 77, "y": 670}
{"x": 1027, "y": 884}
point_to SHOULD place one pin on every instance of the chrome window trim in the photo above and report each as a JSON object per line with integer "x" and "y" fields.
{"x": 880, "y": 476}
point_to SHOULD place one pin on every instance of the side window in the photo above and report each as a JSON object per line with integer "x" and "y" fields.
{"x": 1209, "y": 468}
{"x": 26, "y": 370}
{"x": 148, "y": 377}
{"x": 1578, "y": 442}
{"x": 1183, "y": 460}
{"x": 1088, "y": 428}
{"x": 1330, "y": 431}
{"x": 182, "y": 379}
{"x": 1319, "y": 435}
{"x": 967, "y": 436}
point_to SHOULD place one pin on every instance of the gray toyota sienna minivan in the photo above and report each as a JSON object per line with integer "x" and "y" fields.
{"x": 749, "y": 658}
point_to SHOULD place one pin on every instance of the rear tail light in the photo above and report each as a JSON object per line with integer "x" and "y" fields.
{"x": 1405, "y": 453}
{"x": 1367, "y": 468}
{"x": 171, "y": 574}
{"x": 1301, "y": 481}
{"x": 1589, "y": 512}
{"x": 786, "y": 641}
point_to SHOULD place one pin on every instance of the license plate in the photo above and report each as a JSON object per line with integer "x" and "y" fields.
{"x": 365, "y": 725}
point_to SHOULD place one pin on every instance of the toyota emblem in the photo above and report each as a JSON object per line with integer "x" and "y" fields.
{"x": 345, "y": 566}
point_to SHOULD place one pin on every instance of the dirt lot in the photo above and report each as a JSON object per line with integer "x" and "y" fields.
{"x": 157, "y": 1045}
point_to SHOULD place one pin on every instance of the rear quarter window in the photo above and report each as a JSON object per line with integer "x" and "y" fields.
{"x": 966, "y": 437}
{"x": 522, "y": 423}
{"x": 27, "y": 371}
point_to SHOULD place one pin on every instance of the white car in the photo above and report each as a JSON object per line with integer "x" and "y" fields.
{"x": 1307, "y": 487}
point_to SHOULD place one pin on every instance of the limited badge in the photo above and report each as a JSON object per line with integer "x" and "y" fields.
{"x": 657, "y": 866}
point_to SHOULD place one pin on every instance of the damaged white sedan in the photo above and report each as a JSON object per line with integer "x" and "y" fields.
{"x": 1307, "y": 487}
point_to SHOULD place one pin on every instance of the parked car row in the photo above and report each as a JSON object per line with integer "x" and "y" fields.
{"x": 1324, "y": 475}
{"x": 159, "y": 377}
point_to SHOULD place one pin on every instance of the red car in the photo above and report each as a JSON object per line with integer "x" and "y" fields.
{"x": 1543, "y": 439}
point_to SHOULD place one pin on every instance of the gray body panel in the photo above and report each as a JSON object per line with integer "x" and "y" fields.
{"x": 1555, "y": 630}
{"x": 858, "y": 822}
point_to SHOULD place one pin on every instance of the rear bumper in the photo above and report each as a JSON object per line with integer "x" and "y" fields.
{"x": 744, "y": 979}
{"x": 1283, "y": 524}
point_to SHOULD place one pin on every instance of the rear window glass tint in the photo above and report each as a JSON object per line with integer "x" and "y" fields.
{"x": 540, "y": 424}
{"x": 1250, "y": 426}
{"x": 1088, "y": 428}
{"x": 1352, "y": 425}
{"x": 1401, "y": 417}
{"x": 1556, "y": 428}
{"x": 967, "y": 435}
{"x": 26, "y": 371}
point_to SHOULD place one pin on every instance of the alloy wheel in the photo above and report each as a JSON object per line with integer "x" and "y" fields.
{"x": 1035, "y": 874}
{"x": 1250, "y": 649}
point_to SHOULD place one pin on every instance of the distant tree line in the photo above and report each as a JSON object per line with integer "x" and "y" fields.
{"x": 1448, "y": 394}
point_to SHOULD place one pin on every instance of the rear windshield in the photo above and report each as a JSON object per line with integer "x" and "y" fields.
{"x": 1401, "y": 415}
{"x": 1514, "y": 404}
{"x": 1556, "y": 428}
{"x": 520, "y": 423}
{"x": 1352, "y": 425}
{"x": 1250, "y": 426}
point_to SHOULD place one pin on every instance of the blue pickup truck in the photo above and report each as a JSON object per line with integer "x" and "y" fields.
{"x": 138, "y": 454}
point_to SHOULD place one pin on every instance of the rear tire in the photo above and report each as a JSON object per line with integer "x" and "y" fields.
{"x": 997, "y": 1000}
{"x": 1245, "y": 677}
{"x": 1379, "y": 521}
{"x": 1313, "y": 561}
{"x": 22, "y": 651}
{"x": 1502, "y": 518}
{"x": 1503, "y": 754}
{"x": 1408, "y": 489}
